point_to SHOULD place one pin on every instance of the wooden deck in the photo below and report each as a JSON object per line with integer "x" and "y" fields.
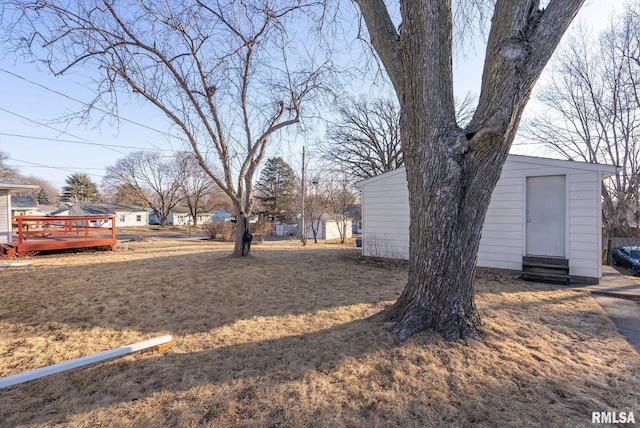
{"x": 43, "y": 233}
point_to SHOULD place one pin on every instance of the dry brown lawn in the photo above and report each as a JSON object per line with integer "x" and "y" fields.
{"x": 285, "y": 338}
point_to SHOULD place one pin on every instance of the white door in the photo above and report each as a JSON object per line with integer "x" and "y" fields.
{"x": 546, "y": 216}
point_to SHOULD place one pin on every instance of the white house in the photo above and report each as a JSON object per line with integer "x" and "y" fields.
{"x": 547, "y": 210}
{"x": 181, "y": 216}
{"x": 23, "y": 205}
{"x": 126, "y": 215}
{"x": 221, "y": 215}
{"x": 6, "y": 235}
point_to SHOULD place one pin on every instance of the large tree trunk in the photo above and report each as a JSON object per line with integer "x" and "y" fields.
{"x": 451, "y": 172}
{"x": 448, "y": 201}
{"x": 243, "y": 237}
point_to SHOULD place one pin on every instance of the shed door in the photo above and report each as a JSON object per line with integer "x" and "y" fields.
{"x": 546, "y": 199}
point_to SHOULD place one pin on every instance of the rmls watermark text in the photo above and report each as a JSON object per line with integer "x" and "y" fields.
{"x": 612, "y": 418}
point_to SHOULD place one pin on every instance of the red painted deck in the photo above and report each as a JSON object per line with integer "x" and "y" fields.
{"x": 41, "y": 233}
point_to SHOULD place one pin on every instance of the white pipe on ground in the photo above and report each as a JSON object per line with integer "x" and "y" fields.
{"x": 8, "y": 381}
{"x": 16, "y": 264}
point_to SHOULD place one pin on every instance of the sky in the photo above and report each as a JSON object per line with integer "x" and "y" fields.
{"x": 32, "y": 102}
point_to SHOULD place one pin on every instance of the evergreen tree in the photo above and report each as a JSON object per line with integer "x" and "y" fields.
{"x": 79, "y": 187}
{"x": 276, "y": 189}
{"x": 42, "y": 197}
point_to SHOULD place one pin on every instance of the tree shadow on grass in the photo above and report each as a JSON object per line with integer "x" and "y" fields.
{"x": 189, "y": 293}
{"x": 352, "y": 374}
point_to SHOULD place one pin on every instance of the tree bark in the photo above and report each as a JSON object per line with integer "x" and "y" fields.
{"x": 451, "y": 172}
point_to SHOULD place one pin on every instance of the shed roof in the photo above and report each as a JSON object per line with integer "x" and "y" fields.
{"x": 103, "y": 208}
{"x": 605, "y": 170}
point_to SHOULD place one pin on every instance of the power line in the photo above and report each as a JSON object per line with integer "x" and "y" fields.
{"x": 66, "y": 169}
{"x": 83, "y": 142}
{"x": 58, "y": 130}
{"x": 82, "y": 102}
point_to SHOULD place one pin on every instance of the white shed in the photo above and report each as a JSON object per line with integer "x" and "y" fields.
{"x": 542, "y": 211}
{"x": 330, "y": 228}
{"x": 6, "y": 235}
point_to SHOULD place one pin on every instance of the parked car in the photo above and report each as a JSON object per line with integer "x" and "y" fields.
{"x": 628, "y": 257}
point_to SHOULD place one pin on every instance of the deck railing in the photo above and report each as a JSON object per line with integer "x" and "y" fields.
{"x": 54, "y": 232}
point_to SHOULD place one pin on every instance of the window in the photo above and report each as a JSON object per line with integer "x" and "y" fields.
{"x": 121, "y": 218}
{"x": 138, "y": 218}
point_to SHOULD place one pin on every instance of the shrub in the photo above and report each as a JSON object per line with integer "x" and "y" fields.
{"x": 225, "y": 230}
{"x": 260, "y": 230}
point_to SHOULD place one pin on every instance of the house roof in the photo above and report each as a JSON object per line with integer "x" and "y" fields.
{"x": 604, "y": 170}
{"x": 185, "y": 210}
{"x": 102, "y": 208}
{"x": 10, "y": 185}
{"x": 23, "y": 202}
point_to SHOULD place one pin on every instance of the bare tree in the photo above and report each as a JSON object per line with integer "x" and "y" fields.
{"x": 122, "y": 193}
{"x": 7, "y": 172}
{"x": 366, "y": 140}
{"x": 218, "y": 70}
{"x": 452, "y": 171}
{"x": 341, "y": 197}
{"x": 592, "y": 111}
{"x": 147, "y": 178}
{"x": 46, "y": 194}
{"x": 317, "y": 204}
{"x": 194, "y": 183}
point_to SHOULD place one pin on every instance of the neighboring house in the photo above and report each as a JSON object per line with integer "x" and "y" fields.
{"x": 355, "y": 214}
{"x": 126, "y": 215}
{"x": 181, "y": 216}
{"x": 6, "y": 235}
{"x": 540, "y": 209}
{"x": 24, "y": 205}
{"x": 285, "y": 229}
{"x": 221, "y": 215}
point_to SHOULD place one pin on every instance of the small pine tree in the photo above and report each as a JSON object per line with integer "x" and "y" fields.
{"x": 79, "y": 187}
{"x": 42, "y": 197}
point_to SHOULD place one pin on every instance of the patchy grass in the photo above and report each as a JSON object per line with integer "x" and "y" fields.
{"x": 284, "y": 339}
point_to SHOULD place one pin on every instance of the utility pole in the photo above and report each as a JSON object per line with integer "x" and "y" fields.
{"x": 303, "y": 229}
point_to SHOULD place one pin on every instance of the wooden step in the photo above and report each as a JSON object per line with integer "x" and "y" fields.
{"x": 555, "y": 261}
{"x": 546, "y": 269}
{"x": 546, "y": 277}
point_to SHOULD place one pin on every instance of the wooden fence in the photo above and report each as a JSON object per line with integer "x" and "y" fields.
{"x": 609, "y": 244}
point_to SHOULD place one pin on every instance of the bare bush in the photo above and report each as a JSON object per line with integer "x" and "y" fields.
{"x": 261, "y": 230}
{"x": 223, "y": 229}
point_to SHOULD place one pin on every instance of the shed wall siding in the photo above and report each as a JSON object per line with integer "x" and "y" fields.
{"x": 5, "y": 217}
{"x": 386, "y": 218}
{"x": 502, "y": 234}
{"x": 585, "y": 247}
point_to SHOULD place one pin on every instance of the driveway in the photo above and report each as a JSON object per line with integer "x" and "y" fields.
{"x": 619, "y": 295}
{"x": 168, "y": 232}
